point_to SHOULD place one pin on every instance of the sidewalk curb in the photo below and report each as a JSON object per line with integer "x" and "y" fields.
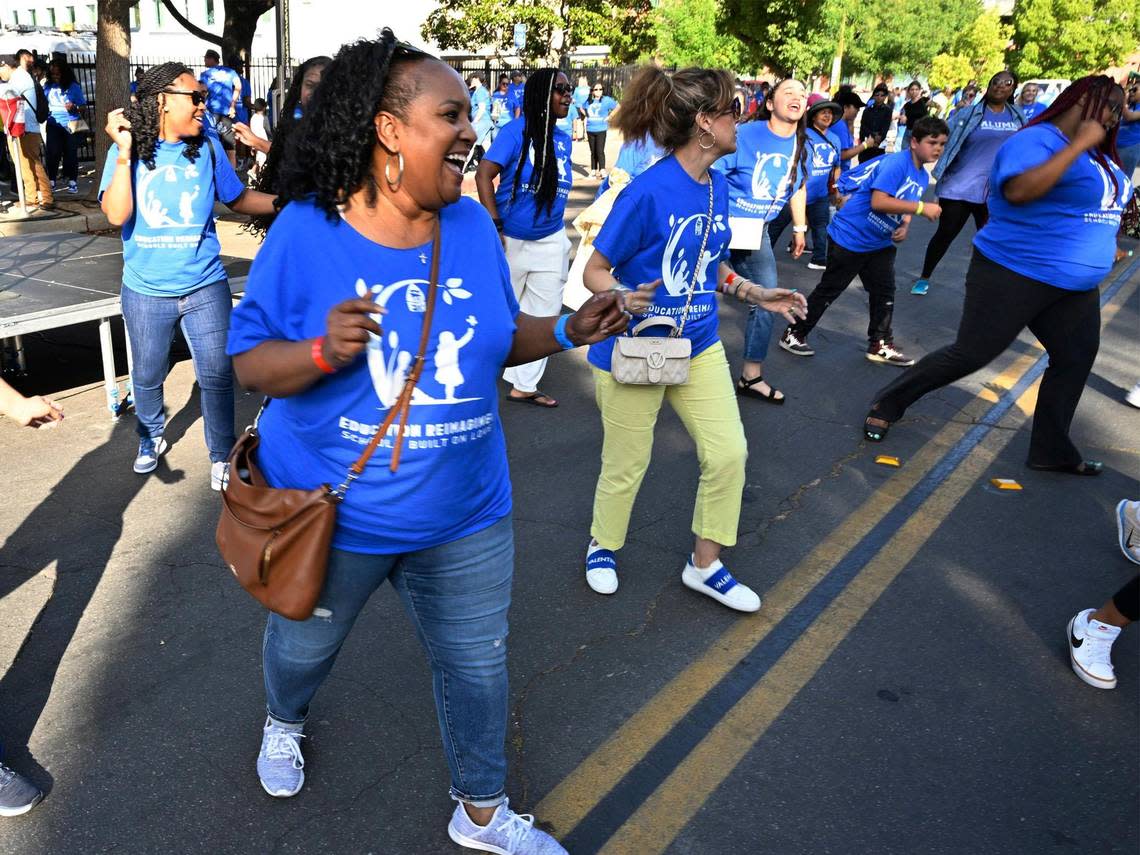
{"x": 67, "y": 220}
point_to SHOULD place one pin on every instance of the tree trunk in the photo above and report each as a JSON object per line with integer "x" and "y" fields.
{"x": 837, "y": 60}
{"x": 112, "y": 68}
{"x": 236, "y": 40}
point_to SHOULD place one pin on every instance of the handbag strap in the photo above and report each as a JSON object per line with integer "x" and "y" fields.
{"x": 676, "y": 333}
{"x": 402, "y": 407}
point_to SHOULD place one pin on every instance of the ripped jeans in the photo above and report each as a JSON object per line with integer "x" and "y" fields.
{"x": 457, "y": 596}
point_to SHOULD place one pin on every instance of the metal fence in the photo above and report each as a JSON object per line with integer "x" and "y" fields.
{"x": 613, "y": 78}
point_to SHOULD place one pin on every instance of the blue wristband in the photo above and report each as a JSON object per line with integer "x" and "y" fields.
{"x": 560, "y": 333}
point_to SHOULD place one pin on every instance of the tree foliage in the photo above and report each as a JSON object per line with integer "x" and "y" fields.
{"x": 977, "y": 53}
{"x": 554, "y": 27}
{"x": 686, "y": 34}
{"x": 1072, "y": 38}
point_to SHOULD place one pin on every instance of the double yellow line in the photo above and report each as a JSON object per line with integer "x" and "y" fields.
{"x": 662, "y": 816}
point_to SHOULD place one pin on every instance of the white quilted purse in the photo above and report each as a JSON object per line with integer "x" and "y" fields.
{"x": 660, "y": 360}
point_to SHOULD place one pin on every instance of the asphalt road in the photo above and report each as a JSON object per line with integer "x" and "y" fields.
{"x": 904, "y": 689}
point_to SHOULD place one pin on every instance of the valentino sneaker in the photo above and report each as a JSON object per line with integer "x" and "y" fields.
{"x": 149, "y": 452}
{"x": 794, "y": 345}
{"x": 280, "y": 765}
{"x": 601, "y": 569}
{"x": 1090, "y": 649}
{"x": 1128, "y": 529}
{"x": 885, "y": 353}
{"x": 508, "y": 833}
{"x": 219, "y": 475}
{"x": 18, "y": 795}
{"x": 715, "y": 581}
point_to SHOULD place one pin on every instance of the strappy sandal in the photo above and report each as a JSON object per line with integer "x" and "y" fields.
{"x": 873, "y": 432}
{"x": 744, "y": 389}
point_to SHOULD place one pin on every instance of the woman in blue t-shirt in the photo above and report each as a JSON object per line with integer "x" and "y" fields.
{"x": 372, "y": 187}
{"x": 767, "y": 171}
{"x": 159, "y": 183}
{"x": 663, "y": 246}
{"x": 1128, "y": 138}
{"x": 597, "y": 111}
{"x": 64, "y": 97}
{"x": 963, "y": 171}
{"x": 531, "y": 160}
{"x": 1056, "y": 196}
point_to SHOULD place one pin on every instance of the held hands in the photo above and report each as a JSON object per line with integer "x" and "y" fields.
{"x": 798, "y": 244}
{"x": 347, "y": 329}
{"x": 780, "y": 301}
{"x": 600, "y": 317}
{"x": 1090, "y": 133}
{"x": 119, "y": 130}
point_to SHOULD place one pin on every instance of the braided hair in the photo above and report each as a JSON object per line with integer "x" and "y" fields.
{"x": 799, "y": 156}
{"x": 538, "y": 133}
{"x": 328, "y": 157}
{"x": 283, "y": 130}
{"x": 1099, "y": 88}
{"x": 145, "y": 115}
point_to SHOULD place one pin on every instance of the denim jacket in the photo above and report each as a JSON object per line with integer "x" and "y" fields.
{"x": 962, "y": 123}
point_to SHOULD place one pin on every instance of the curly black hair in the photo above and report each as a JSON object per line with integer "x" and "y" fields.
{"x": 284, "y": 129}
{"x": 329, "y": 158}
{"x": 538, "y": 134}
{"x": 145, "y": 115}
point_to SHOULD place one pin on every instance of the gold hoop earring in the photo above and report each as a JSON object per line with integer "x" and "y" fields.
{"x": 394, "y": 186}
{"x": 702, "y": 136}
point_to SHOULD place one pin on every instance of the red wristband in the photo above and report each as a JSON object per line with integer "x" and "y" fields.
{"x": 318, "y": 357}
{"x": 728, "y": 280}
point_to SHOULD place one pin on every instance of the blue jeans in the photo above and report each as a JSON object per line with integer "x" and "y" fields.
{"x": 204, "y": 316}
{"x": 759, "y": 265}
{"x": 818, "y": 217}
{"x": 457, "y": 596}
{"x": 1129, "y": 159}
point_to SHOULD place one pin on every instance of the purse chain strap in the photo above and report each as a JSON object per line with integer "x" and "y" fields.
{"x": 678, "y": 330}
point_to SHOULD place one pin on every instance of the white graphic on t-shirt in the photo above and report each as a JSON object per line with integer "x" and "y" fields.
{"x": 676, "y": 272}
{"x": 151, "y": 208}
{"x": 909, "y": 186}
{"x": 561, "y": 160}
{"x": 389, "y": 372}
{"x": 767, "y": 167}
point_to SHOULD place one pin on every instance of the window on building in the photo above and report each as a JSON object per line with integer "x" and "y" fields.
{"x": 15, "y": 18}
{"x": 92, "y": 15}
{"x": 51, "y": 17}
{"x": 71, "y": 14}
{"x": 136, "y": 19}
{"x": 158, "y": 13}
{"x": 209, "y": 11}
{"x": 32, "y": 16}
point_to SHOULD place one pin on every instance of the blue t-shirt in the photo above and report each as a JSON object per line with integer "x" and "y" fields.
{"x": 654, "y": 231}
{"x": 500, "y": 111}
{"x": 241, "y": 109}
{"x": 452, "y": 480}
{"x": 967, "y": 178}
{"x": 515, "y": 93}
{"x": 759, "y": 172}
{"x": 57, "y": 96}
{"x": 823, "y": 155}
{"x": 219, "y": 81}
{"x": 480, "y": 112}
{"x": 566, "y": 124}
{"x": 843, "y": 134}
{"x": 519, "y": 219}
{"x": 1068, "y": 236}
{"x": 856, "y": 177}
{"x": 1031, "y": 111}
{"x": 859, "y": 229}
{"x": 170, "y": 245}
{"x": 1129, "y": 133}
{"x": 580, "y": 97}
{"x": 634, "y": 157}
{"x": 598, "y": 114}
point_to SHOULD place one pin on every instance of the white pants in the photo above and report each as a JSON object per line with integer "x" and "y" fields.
{"x": 538, "y": 274}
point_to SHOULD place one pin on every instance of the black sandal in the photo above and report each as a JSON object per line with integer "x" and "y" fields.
{"x": 1085, "y": 467}
{"x": 875, "y": 433}
{"x": 744, "y": 389}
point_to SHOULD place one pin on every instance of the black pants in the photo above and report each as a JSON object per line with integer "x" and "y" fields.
{"x": 1127, "y": 599}
{"x": 877, "y": 272}
{"x": 61, "y": 144}
{"x": 954, "y": 216}
{"x": 597, "y": 149}
{"x": 999, "y": 305}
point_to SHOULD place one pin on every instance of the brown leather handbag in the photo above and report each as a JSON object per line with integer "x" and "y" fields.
{"x": 276, "y": 540}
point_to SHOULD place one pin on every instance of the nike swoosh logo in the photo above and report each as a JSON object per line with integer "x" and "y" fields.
{"x": 1074, "y": 641}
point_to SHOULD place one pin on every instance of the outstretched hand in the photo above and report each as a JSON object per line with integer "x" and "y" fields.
{"x": 780, "y": 301}
{"x": 638, "y": 302}
{"x": 600, "y": 317}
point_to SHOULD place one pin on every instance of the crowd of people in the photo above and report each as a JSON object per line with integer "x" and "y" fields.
{"x": 710, "y": 181}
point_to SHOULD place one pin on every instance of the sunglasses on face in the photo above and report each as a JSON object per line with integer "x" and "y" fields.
{"x": 196, "y": 97}
{"x": 597, "y": 91}
{"x": 563, "y": 88}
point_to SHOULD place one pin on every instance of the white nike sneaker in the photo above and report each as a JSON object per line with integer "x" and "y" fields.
{"x": 1090, "y": 650}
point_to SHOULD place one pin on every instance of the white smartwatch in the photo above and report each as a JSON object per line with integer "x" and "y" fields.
{"x": 799, "y": 230}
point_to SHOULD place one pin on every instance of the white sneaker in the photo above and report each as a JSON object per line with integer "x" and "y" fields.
{"x": 601, "y": 569}
{"x": 1090, "y": 649}
{"x": 280, "y": 766}
{"x": 508, "y": 833}
{"x": 1128, "y": 529}
{"x": 715, "y": 581}
{"x": 885, "y": 353}
{"x": 813, "y": 266}
{"x": 219, "y": 475}
{"x": 149, "y": 452}
{"x": 1133, "y": 397}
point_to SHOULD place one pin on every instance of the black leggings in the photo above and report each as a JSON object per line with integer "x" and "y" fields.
{"x": 999, "y": 304}
{"x": 1127, "y": 599}
{"x": 597, "y": 149}
{"x": 954, "y": 216}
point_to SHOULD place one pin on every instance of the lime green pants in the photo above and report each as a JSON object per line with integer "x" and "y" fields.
{"x": 707, "y": 407}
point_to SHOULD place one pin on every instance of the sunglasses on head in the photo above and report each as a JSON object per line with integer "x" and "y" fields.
{"x": 563, "y": 88}
{"x": 197, "y": 97}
